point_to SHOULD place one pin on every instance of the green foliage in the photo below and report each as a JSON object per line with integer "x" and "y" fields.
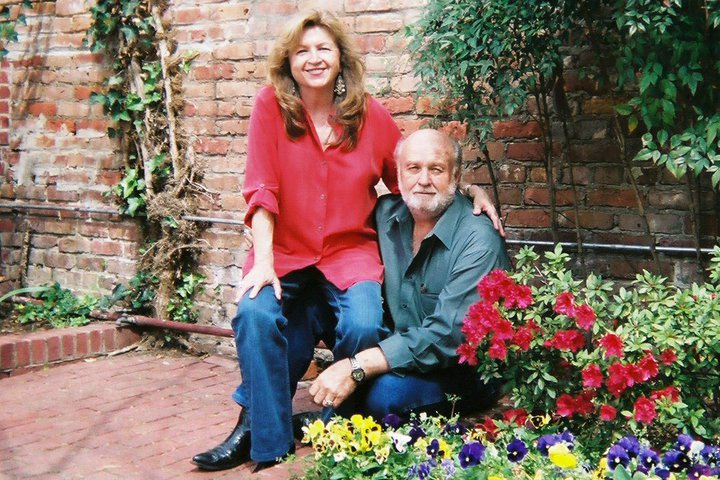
{"x": 182, "y": 305}
{"x": 668, "y": 357}
{"x": 502, "y": 52}
{"x": 8, "y": 26}
{"x": 138, "y": 293}
{"x": 664, "y": 54}
{"x": 668, "y": 55}
{"x": 60, "y": 308}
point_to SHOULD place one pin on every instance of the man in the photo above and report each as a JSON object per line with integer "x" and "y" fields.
{"x": 435, "y": 251}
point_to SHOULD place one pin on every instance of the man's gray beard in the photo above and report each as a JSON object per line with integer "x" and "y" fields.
{"x": 436, "y": 207}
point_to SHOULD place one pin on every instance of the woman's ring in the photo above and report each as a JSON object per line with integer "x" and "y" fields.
{"x": 328, "y": 403}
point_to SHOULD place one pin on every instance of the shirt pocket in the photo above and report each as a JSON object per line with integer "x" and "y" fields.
{"x": 428, "y": 301}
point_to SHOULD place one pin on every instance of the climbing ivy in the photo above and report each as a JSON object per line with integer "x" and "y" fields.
{"x": 8, "y": 25}
{"x": 160, "y": 183}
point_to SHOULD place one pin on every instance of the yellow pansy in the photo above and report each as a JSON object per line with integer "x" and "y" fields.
{"x": 382, "y": 454}
{"x": 313, "y": 431}
{"x": 561, "y": 456}
{"x": 445, "y": 449}
{"x": 495, "y": 477}
{"x": 601, "y": 471}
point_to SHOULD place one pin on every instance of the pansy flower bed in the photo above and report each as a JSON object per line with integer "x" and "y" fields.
{"x": 436, "y": 448}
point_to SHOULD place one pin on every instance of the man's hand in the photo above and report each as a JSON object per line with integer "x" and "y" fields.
{"x": 482, "y": 203}
{"x": 260, "y": 274}
{"x": 334, "y": 385}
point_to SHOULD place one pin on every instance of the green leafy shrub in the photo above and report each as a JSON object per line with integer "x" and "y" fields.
{"x": 644, "y": 359}
{"x": 59, "y": 308}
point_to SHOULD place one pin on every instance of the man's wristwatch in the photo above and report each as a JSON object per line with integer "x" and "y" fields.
{"x": 357, "y": 374}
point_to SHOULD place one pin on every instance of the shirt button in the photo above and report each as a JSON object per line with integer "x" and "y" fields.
{"x": 322, "y": 196}
{"x": 316, "y": 258}
{"x": 404, "y": 305}
{"x": 320, "y": 228}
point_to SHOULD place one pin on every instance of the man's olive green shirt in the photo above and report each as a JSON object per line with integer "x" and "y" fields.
{"x": 428, "y": 295}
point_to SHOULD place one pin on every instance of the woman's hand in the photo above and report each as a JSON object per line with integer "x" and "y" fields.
{"x": 260, "y": 274}
{"x": 482, "y": 203}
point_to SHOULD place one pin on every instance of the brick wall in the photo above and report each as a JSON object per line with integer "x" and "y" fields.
{"x": 56, "y": 150}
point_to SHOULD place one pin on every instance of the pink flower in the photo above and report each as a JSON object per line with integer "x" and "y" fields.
{"x": 668, "y": 356}
{"x": 565, "y": 304}
{"x": 516, "y": 415}
{"x": 519, "y": 296}
{"x": 467, "y": 354}
{"x": 495, "y": 286}
{"x": 607, "y": 413}
{"x": 502, "y": 329}
{"x": 583, "y": 403}
{"x": 567, "y": 340}
{"x": 592, "y": 376}
{"x": 670, "y": 392}
{"x": 565, "y": 405}
{"x": 585, "y": 316}
{"x": 648, "y": 366}
{"x": 618, "y": 379}
{"x": 522, "y": 338}
{"x": 645, "y": 410}
{"x": 612, "y": 344}
{"x": 497, "y": 350}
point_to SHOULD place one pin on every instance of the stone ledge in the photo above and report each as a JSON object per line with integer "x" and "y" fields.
{"x": 25, "y": 352}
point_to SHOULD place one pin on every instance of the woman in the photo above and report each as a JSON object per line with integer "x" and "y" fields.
{"x": 318, "y": 144}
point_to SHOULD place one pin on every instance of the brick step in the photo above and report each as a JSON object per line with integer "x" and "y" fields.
{"x": 20, "y": 353}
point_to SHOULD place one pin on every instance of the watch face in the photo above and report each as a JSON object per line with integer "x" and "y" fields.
{"x": 358, "y": 375}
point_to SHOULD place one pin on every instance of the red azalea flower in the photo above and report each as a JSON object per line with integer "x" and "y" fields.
{"x": 649, "y": 367}
{"x": 635, "y": 373}
{"x": 583, "y": 403}
{"x": 516, "y": 415}
{"x": 495, "y": 286}
{"x": 488, "y": 426}
{"x": 502, "y": 329}
{"x": 670, "y": 392}
{"x": 474, "y": 332}
{"x": 668, "y": 356}
{"x": 497, "y": 350}
{"x": 522, "y": 338}
{"x": 585, "y": 316}
{"x": 467, "y": 354}
{"x": 567, "y": 340}
{"x": 534, "y": 327}
{"x": 645, "y": 410}
{"x": 612, "y": 344}
{"x": 592, "y": 376}
{"x": 565, "y": 405}
{"x": 519, "y": 296}
{"x": 607, "y": 413}
{"x": 482, "y": 313}
{"x": 565, "y": 304}
{"x": 618, "y": 379}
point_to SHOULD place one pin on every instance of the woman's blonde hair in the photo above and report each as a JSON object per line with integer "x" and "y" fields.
{"x": 350, "y": 108}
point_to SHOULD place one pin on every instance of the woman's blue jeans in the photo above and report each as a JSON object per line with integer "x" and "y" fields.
{"x": 275, "y": 342}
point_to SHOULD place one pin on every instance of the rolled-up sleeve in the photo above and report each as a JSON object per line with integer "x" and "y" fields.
{"x": 261, "y": 187}
{"x": 432, "y": 344}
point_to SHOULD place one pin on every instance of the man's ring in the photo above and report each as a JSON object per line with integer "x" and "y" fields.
{"x": 328, "y": 403}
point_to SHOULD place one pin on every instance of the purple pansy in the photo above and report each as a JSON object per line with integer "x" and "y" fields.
{"x": 617, "y": 455}
{"x": 471, "y": 454}
{"x": 516, "y": 450}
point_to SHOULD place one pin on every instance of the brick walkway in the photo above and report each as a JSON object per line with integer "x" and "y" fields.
{"x": 131, "y": 416}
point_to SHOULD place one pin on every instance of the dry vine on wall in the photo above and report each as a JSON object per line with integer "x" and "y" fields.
{"x": 160, "y": 185}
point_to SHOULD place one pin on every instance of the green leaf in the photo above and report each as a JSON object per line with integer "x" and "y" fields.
{"x": 624, "y": 109}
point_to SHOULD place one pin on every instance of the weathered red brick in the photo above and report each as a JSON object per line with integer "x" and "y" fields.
{"x": 531, "y": 151}
{"x": 82, "y": 343}
{"x": 54, "y": 349}
{"x": 95, "y": 344}
{"x": 529, "y": 217}
{"x": 125, "y": 337}
{"x": 7, "y": 355}
{"x": 108, "y": 339}
{"x": 22, "y": 353}
{"x": 612, "y": 198}
{"x": 67, "y": 342}
{"x": 42, "y": 108}
{"x": 516, "y": 129}
{"x": 541, "y": 196}
{"x": 38, "y": 351}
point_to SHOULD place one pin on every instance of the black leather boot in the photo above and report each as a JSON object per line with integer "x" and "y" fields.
{"x": 259, "y": 466}
{"x": 233, "y": 451}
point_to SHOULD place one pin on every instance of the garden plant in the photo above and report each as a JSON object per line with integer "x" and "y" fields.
{"x": 605, "y": 381}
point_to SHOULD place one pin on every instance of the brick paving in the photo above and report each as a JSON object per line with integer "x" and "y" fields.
{"x": 132, "y": 416}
